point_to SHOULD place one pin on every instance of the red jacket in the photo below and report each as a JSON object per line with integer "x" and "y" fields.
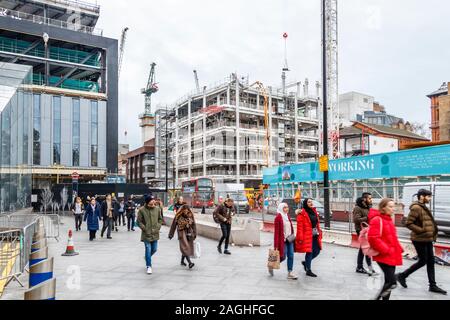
{"x": 279, "y": 240}
{"x": 304, "y": 239}
{"x": 384, "y": 240}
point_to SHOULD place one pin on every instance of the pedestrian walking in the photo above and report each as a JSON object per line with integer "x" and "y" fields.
{"x": 223, "y": 215}
{"x": 284, "y": 238}
{"x": 130, "y": 208}
{"x": 184, "y": 223}
{"x": 309, "y": 235}
{"x": 92, "y": 217}
{"x": 78, "y": 211}
{"x": 424, "y": 231}
{"x": 360, "y": 216}
{"x": 150, "y": 221}
{"x": 383, "y": 238}
{"x": 119, "y": 213}
{"x": 107, "y": 211}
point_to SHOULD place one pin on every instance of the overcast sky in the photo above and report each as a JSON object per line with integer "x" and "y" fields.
{"x": 396, "y": 51}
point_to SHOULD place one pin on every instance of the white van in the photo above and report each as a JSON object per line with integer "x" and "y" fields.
{"x": 440, "y": 203}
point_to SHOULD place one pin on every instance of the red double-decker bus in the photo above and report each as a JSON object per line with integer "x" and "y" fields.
{"x": 199, "y": 192}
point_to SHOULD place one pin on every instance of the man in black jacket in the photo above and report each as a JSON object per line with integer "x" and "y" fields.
{"x": 130, "y": 208}
{"x": 224, "y": 215}
{"x": 360, "y": 216}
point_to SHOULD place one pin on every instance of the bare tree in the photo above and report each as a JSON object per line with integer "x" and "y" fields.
{"x": 64, "y": 198}
{"x": 47, "y": 198}
{"x": 422, "y": 129}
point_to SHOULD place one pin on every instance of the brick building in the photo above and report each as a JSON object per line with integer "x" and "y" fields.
{"x": 440, "y": 113}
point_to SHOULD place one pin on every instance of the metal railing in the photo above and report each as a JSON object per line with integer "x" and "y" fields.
{"x": 10, "y": 257}
{"x": 17, "y": 15}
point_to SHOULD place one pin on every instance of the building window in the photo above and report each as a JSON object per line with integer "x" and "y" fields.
{"x": 76, "y": 132}
{"x": 57, "y": 130}
{"x": 36, "y": 130}
{"x": 94, "y": 133}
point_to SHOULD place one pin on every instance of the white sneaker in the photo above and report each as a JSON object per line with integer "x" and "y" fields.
{"x": 292, "y": 276}
{"x": 149, "y": 270}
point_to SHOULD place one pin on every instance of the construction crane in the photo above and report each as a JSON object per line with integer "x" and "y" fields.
{"x": 123, "y": 40}
{"x": 262, "y": 91}
{"x": 330, "y": 8}
{"x": 152, "y": 88}
{"x": 197, "y": 83}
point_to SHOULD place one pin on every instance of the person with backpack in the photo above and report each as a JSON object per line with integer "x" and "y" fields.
{"x": 360, "y": 218}
{"x": 224, "y": 216}
{"x": 184, "y": 223}
{"x": 309, "y": 235}
{"x": 382, "y": 237}
{"x": 130, "y": 209}
{"x": 424, "y": 231}
{"x": 284, "y": 238}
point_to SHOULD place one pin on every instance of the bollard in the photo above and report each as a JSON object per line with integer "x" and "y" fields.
{"x": 38, "y": 236}
{"x": 36, "y": 246}
{"x": 41, "y": 272}
{"x": 38, "y": 256}
{"x": 44, "y": 291}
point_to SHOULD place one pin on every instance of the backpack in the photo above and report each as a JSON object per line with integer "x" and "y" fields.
{"x": 364, "y": 240}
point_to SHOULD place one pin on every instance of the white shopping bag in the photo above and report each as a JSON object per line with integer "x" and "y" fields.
{"x": 197, "y": 250}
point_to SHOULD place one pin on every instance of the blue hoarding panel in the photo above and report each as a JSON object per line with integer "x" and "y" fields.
{"x": 431, "y": 161}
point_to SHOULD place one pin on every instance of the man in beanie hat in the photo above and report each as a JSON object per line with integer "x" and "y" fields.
{"x": 424, "y": 232}
{"x": 150, "y": 221}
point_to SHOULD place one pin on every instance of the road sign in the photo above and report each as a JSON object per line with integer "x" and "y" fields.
{"x": 323, "y": 164}
{"x": 75, "y": 176}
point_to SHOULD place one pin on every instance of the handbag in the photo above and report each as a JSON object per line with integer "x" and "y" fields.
{"x": 197, "y": 250}
{"x": 273, "y": 261}
{"x": 291, "y": 238}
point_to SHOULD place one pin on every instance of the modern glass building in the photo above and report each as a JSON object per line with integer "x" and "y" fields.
{"x": 16, "y": 104}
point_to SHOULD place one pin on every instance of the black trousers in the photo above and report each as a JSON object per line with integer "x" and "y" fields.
{"x": 226, "y": 232}
{"x": 107, "y": 224}
{"x": 130, "y": 224}
{"x": 92, "y": 234}
{"x": 187, "y": 258}
{"x": 78, "y": 221}
{"x": 361, "y": 256}
{"x": 425, "y": 251}
{"x": 389, "y": 279}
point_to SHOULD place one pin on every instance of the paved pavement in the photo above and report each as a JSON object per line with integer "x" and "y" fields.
{"x": 115, "y": 270}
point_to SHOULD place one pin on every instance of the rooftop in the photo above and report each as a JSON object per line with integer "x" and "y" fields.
{"x": 441, "y": 91}
{"x": 348, "y": 131}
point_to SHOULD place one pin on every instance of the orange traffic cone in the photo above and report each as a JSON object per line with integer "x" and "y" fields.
{"x": 70, "y": 250}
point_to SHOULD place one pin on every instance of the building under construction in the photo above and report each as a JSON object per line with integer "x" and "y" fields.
{"x": 232, "y": 130}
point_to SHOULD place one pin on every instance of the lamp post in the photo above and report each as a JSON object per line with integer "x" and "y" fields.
{"x": 167, "y": 151}
{"x": 46, "y": 38}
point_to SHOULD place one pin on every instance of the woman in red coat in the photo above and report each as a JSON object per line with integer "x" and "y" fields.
{"x": 309, "y": 235}
{"x": 284, "y": 239}
{"x": 383, "y": 238}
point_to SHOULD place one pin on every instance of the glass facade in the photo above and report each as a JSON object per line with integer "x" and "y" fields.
{"x": 37, "y": 129}
{"x": 57, "y": 130}
{"x": 76, "y": 132}
{"x": 94, "y": 133}
{"x": 15, "y": 114}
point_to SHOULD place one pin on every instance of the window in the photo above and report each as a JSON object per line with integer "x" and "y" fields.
{"x": 57, "y": 130}
{"x": 94, "y": 133}
{"x": 36, "y": 130}
{"x": 76, "y": 132}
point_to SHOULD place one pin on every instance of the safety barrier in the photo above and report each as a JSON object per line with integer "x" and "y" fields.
{"x": 10, "y": 256}
{"x": 51, "y": 225}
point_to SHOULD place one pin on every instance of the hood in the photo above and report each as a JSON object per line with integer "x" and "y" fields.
{"x": 281, "y": 206}
{"x": 360, "y": 203}
{"x": 374, "y": 213}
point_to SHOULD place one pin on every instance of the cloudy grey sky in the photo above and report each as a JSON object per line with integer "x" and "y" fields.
{"x": 396, "y": 51}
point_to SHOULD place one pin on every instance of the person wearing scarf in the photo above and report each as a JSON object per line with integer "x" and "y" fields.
{"x": 184, "y": 223}
{"x": 284, "y": 231}
{"x": 309, "y": 235}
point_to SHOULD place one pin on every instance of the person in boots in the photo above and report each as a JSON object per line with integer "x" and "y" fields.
{"x": 424, "y": 231}
{"x": 225, "y": 213}
{"x": 360, "y": 216}
{"x": 107, "y": 210}
{"x": 184, "y": 223}
{"x": 78, "y": 210}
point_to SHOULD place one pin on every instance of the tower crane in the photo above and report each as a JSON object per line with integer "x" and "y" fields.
{"x": 151, "y": 89}
{"x": 197, "y": 83}
{"x": 262, "y": 91}
{"x": 123, "y": 40}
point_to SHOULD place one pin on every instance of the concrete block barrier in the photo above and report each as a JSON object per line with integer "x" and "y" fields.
{"x": 41, "y": 272}
{"x": 44, "y": 291}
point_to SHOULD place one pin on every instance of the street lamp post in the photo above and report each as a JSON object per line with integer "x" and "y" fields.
{"x": 167, "y": 152}
{"x": 46, "y": 38}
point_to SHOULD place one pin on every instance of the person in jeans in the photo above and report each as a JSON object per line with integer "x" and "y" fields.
{"x": 92, "y": 216}
{"x": 184, "y": 223}
{"x": 360, "y": 216}
{"x": 119, "y": 213}
{"x": 309, "y": 235}
{"x": 383, "y": 238}
{"x": 150, "y": 222}
{"x": 107, "y": 210}
{"x": 78, "y": 210}
{"x": 284, "y": 238}
{"x": 225, "y": 213}
{"x": 130, "y": 208}
{"x": 424, "y": 232}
